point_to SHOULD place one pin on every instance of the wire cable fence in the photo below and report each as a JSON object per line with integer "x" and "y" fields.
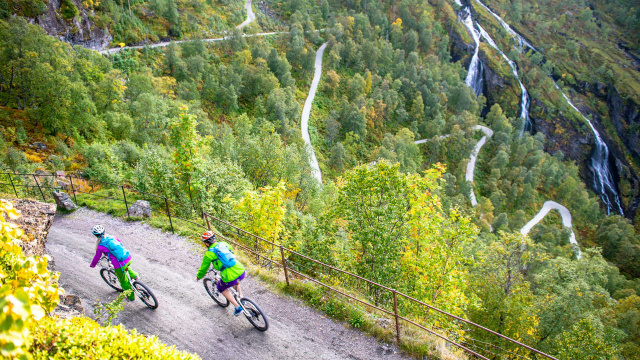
{"x": 412, "y": 319}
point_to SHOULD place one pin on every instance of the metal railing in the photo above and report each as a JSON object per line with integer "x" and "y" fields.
{"x": 271, "y": 255}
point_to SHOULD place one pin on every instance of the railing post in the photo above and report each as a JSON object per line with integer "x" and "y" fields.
{"x": 284, "y": 265}
{"x": 39, "y": 188}
{"x": 73, "y": 190}
{"x": 395, "y": 312}
{"x": 125, "y": 199}
{"x": 13, "y": 186}
{"x": 206, "y": 217}
{"x": 166, "y": 203}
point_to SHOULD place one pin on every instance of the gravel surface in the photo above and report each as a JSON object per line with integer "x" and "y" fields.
{"x": 187, "y": 317}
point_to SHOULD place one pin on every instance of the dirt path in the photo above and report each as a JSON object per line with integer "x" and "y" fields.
{"x": 187, "y": 317}
{"x": 306, "y": 112}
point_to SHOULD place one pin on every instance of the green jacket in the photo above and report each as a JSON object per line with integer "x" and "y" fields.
{"x": 228, "y": 274}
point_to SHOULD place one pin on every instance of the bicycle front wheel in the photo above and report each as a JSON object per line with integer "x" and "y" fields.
{"x": 109, "y": 276}
{"x": 145, "y": 294}
{"x": 256, "y": 317}
{"x": 216, "y": 295}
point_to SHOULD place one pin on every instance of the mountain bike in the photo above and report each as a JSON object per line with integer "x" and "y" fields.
{"x": 250, "y": 309}
{"x": 141, "y": 290}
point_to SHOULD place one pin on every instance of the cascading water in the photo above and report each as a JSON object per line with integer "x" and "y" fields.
{"x": 603, "y": 180}
{"x": 474, "y": 76}
{"x": 520, "y": 39}
{"x": 600, "y": 164}
{"x": 524, "y": 101}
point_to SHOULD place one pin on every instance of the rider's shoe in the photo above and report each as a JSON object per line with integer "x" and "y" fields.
{"x": 237, "y": 311}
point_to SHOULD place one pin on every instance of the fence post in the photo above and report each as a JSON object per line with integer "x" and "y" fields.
{"x": 125, "y": 199}
{"x": 73, "y": 190}
{"x": 395, "y": 312}
{"x": 166, "y": 203}
{"x": 284, "y": 265}
{"x": 13, "y": 186}
{"x": 206, "y": 217}
{"x": 39, "y": 188}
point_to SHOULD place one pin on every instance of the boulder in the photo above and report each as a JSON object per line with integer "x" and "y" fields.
{"x": 35, "y": 220}
{"x": 140, "y": 208}
{"x": 63, "y": 200}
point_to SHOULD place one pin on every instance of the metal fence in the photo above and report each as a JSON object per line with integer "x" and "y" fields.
{"x": 400, "y": 308}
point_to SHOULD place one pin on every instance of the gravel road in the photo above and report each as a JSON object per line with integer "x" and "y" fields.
{"x": 187, "y": 317}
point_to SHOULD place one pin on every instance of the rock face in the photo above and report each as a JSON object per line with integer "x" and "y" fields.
{"x": 80, "y": 30}
{"x": 63, "y": 200}
{"x": 140, "y": 208}
{"x": 35, "y": 219}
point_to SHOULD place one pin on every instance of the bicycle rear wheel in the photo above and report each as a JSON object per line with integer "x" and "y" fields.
{"x": 109, "y": 276}
{"x": 145, "y": 294}
{"x": 256, "y": 317}
{"x": 216, "y": 295}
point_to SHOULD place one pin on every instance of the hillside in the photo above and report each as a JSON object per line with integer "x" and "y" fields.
{"x": 403, "y": 90}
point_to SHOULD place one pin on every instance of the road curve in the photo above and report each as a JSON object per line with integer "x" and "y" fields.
{"x": 306, "y": 112}
{"x": 251, "y": 17}
{"x": 566, "y": 222}
{"x": 186, "y": 316}
{"x": 471, "y": 165}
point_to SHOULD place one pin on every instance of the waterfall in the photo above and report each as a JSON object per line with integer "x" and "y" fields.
{"x": 521, "y": 41}
{"x": 474, "y": 76}
{"x": 524, "y": 100}
{"x": 603, "y": 181}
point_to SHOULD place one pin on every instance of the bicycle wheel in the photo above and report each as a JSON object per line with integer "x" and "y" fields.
{"x": 109, "y": 276}
{"x": 216, "y": 295}
{"x": 146, "y": 295}
{"x": 257, "y": 317}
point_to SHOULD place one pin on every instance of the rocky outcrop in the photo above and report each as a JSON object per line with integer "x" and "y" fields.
{"x": 69, "y": 306}
{"x": 63, "y": 200}
{"x": 80, "y": 30}
{"x": 35, "y": 220}
{"x": 562, "y": 135}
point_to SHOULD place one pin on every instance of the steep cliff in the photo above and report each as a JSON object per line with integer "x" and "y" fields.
{"x": 70, "y": 21}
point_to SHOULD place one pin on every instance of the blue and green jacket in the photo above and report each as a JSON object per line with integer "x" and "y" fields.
{"x": 210, "y": 258}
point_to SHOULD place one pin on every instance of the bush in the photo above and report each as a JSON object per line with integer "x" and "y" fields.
{"x": 82, "y": 337}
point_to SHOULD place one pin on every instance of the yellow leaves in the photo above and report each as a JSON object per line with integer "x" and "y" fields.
{"x": 29, "y": 290}
{"x": 398, "y": 23}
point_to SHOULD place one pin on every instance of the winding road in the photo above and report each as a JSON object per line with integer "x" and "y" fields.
{"x": 471, "y": 165}
{"x": 566, "y": 222}
{"x": 186, "y": 316}
{"x": 251, "y": 17}
{"x": 306, "y": 112}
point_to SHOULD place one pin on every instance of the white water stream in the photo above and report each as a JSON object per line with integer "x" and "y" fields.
{"x": 603, "y": 180}
{"x": 474, "y": 76}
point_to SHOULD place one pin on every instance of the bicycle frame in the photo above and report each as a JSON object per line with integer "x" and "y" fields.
{"x": 126, "y": 273}
{"x": 216, "y": 277}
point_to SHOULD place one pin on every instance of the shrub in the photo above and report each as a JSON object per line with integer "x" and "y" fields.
{"x": 27, "y": 290}
{"x": 82, "y": 337}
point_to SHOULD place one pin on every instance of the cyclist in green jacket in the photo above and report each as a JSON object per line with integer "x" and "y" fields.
{"x": 229, "y": 276}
